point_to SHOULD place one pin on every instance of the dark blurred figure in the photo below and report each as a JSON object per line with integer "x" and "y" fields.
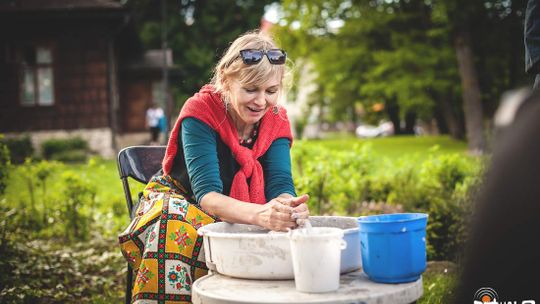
{"x": 502, "y": 251}
{"x": 532, "y": 40}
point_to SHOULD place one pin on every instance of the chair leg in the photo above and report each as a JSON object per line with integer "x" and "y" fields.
{"x": 129, "y": 284}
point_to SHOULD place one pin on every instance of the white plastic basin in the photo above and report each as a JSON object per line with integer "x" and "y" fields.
{"x": 251, "y": 252}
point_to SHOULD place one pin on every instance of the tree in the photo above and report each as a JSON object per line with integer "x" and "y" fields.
{"x": 198, "y": 32}
{"x": 445, "y": 59}
{"x": 485, "y": 36}
{"x": 389, "y": 52}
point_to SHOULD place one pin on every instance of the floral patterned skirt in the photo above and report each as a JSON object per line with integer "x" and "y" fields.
{"x": 162, "y": 245}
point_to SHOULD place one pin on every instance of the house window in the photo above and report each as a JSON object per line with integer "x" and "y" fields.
{"x": 37, "y": 76}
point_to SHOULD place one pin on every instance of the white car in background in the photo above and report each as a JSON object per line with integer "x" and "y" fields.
{"x": 367, "y": 131}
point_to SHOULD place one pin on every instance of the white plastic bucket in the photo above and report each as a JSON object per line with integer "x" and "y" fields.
{"x": 316, "y": 258}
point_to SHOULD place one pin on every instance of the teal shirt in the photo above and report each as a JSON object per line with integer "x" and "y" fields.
{"x": 199, "y": 143}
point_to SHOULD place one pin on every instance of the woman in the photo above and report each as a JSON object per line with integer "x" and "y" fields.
{"x": 228, "y": 159}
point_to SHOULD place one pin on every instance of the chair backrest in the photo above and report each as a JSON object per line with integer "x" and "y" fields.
{"x": 139, "y": 163}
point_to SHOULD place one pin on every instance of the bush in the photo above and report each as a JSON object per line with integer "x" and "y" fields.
{"x": 80, "y": 196}
{"x": 299, "y": 126}
{"x": 53, "y": 272}
{"x": 39, "y": 209}
{"x": 19, "y": 148}
{"x": 66, "y": 150}
{"x": 4, "y": 166}
{"x": 449, "y": 184}
{"x": 360, "y": 183}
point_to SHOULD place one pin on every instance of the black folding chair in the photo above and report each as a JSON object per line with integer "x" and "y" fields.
{"x": 140, "y": 163}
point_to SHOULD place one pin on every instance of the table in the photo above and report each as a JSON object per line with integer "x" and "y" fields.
{"x": 355, "y": 287}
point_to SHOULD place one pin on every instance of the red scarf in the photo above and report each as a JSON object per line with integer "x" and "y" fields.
{"x": 207, "y": 106}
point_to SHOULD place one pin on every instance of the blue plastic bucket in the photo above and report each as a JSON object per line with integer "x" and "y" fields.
{"x": 393, "y": 246}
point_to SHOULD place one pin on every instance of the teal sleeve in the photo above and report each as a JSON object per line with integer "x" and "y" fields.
{"x": 276, "y": 164}
{"x": 199, "y": 142}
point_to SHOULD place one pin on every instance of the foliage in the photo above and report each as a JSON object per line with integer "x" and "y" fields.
{"x": 299, "y": 126}
{"x": 36, "y": 178}
{"x": 496, "y": 30}
{"x": 48, "y": 271}
{"x": 198, "y": 32}
{"x": 396, "y": 147}
{"x": 4, "y": 165}
{"x": 341, "y": 182}
{"x": 446, "y": 188}
{"x": 62, "y": 249}
{"x": 19, "y": 148}
{"x": 440, "y": 280}
{"x": 402, "y": 54}
{"x": 44, "y": 260}
{"x": 50, "y": 199}
{"x": 67, "y": 150}
{"x": 79, "y": 194}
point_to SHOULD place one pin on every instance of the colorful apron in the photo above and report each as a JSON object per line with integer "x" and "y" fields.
{"x": 162, "y": 245}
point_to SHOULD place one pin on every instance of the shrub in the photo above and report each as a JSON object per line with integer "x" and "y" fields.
{"x": 4, "y": 166}
{"x": 448, "y": 184}
{"x": 37, "y": 180}
{"x": 349, "y": 183}
{"x": 19, "y": 148}
{"x": 67, "y": 150}
{"x": 80, "y": 196}
{"x": 299, "y": 126}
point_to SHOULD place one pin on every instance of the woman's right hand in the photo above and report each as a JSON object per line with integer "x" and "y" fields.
{"x": 276, "y": 216}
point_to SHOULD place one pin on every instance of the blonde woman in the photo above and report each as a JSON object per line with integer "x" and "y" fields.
{"x": 228, "y": 159}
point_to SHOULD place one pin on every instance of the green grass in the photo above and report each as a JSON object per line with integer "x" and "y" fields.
{"x": 100, "y": 173}
{"x": 396, "y": 146}
{"x": 103, "y": 174}
{"x": 439, "y": 281}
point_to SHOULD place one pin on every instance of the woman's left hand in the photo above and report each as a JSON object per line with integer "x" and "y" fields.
{"x": 300, "y": 208}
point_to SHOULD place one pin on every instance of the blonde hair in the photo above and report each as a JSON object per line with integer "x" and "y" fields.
{"x": 232, "y": 67}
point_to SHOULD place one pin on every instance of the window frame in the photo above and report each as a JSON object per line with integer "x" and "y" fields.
{"x": 34, "y": 69}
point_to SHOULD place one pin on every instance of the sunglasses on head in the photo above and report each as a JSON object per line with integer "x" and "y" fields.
{"x": 275, "y": 56}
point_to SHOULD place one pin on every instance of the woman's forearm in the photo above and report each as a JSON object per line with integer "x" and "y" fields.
{"x": 229, "y": 209}
{"x": 273, "y": 215}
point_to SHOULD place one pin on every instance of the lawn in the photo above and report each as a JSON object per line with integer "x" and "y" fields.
{"x": 397, "y": 146}
{"x": 30, "y": 252}
{"x": 103, "y": 174}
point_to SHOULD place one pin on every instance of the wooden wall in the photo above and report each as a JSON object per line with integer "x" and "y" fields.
{"x": 135, "y": 98}
{"x": 80, "y": 81}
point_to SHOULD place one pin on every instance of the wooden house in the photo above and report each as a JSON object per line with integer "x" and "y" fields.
{"x": 75, "y": 68}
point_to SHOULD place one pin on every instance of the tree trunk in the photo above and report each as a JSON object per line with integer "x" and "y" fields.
{"x": 354, "y": 119}
{"x": 440, "y": 120}
{"x": 455, "y": 128}
{"x": 472, "y": 104}
{"x": 392, "y": 109}
{"x": 410, "y": 122}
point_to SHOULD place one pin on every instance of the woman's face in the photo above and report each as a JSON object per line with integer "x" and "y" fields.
{"x": 249, "y": 102}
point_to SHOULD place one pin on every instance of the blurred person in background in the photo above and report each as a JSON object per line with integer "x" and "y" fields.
{"x": 227, "y": 159}
{"x": 154, "y": 115}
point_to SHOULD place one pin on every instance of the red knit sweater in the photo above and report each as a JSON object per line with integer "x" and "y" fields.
{"x": 207, "y": 106}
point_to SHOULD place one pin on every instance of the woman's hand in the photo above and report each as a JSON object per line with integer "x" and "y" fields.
{"x": 276, "y": 215}
{"x": 300, "y": 208}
